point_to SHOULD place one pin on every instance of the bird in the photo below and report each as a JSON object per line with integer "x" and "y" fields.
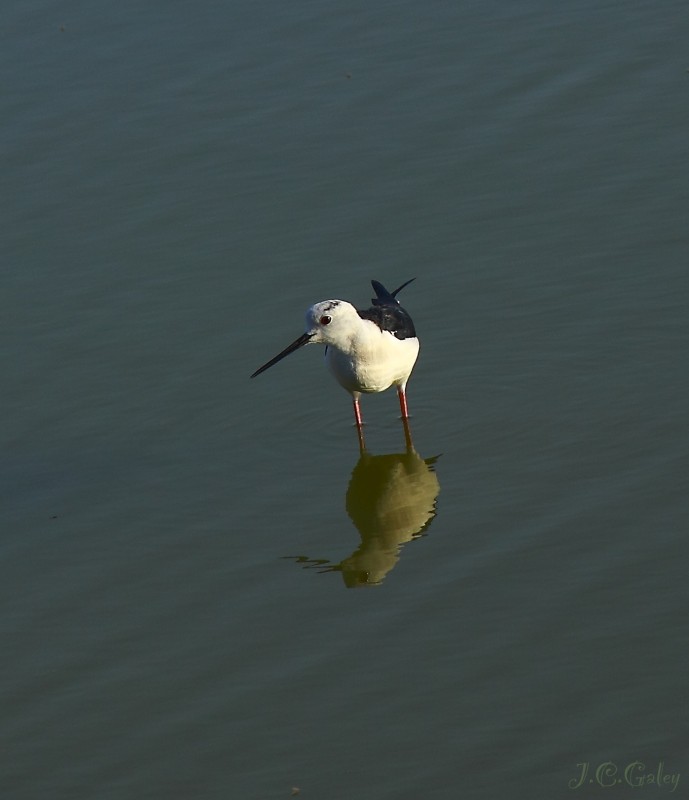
{"x": 367, "y": 351}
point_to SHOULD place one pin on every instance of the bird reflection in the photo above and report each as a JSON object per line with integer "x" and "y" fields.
{"x": 391, "y": 500}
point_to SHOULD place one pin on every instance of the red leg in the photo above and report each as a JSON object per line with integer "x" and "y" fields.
{"x": 403, "y": 402}
{"x": 359, "y": 425}
{"x": 357, "y": 412}
{"x": 405, "y": 417}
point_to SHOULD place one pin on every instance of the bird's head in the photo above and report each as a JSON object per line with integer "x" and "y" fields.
{"x": 330, "y": 322}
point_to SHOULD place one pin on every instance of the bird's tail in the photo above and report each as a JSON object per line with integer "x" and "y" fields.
{"x": 383, "y": 296}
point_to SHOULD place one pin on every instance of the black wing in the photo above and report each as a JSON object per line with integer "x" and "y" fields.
{"x": 388, "y": 314}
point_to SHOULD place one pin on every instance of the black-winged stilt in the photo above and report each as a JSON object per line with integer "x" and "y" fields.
{"x": 367, "y": 351}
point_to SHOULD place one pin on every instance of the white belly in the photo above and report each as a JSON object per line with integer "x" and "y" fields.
{"x": 374, "y": 366}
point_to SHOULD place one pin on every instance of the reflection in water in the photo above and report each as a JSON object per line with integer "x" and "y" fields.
{"x": 391, "y": 500}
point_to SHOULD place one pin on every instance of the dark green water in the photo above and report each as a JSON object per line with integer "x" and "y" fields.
{"x": 179, "y": 545}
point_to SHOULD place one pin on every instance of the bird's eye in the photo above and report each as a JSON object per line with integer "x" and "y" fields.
{"x": 325, "y": 320}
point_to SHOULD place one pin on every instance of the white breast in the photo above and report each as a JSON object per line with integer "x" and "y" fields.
{"x": 373, "y": 362}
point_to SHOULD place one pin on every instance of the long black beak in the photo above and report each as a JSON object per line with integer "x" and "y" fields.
{"x": 305, "y": 338}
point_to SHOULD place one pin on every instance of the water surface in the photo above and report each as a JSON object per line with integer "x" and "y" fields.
{"x": 185, "y": 552}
